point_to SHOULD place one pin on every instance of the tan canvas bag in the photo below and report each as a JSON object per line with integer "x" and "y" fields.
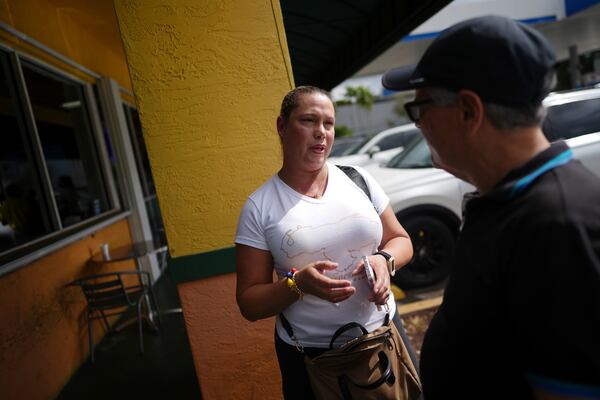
{"x": 374, "y": 365}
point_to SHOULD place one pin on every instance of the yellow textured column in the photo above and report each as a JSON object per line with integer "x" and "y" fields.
{"x": 208, "y": 78}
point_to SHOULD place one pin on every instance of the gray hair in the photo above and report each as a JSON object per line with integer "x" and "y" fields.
{"x": 441, "y": 96}
{"x": 502, "y": 116}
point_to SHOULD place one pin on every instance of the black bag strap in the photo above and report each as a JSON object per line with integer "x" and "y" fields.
{"x": 347, "y": 327}
{"x": 387, "y": 375}
{"x": 353, "y": 325}
{"x": 286, "y": 325}
{"x": 290, "y": 331}
{"x": 288, "y": 328}
{"x": 357, "y": 178}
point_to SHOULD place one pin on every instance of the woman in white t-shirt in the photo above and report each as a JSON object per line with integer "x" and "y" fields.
{"x": 310, "y": 222}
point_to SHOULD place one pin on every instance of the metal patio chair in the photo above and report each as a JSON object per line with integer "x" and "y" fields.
{"x": 107, "y": 294}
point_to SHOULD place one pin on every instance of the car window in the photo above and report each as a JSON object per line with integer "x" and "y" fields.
{"x": 340, "y": 146}
{"x": 357, "y": 146}
{"x": 348, "y": 145}
{"x": 573, "y": 119}
{"x": 416, "y": 155}
{"x": 391, "y": 141}
{"x": 409, "y": 136}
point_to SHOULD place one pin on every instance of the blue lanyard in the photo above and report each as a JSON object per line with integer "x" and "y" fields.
{"x": 525, "y": 181}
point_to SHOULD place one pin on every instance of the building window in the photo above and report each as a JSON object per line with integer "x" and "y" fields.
{"x": 52, "y": 179}
{"x": 143, "y": 166}
{"x": 68, "y": 145}
{"x": 23, "y": 210}
{"x": 110, "y": 150}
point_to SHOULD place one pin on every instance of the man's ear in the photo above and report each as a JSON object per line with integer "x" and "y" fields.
{"x": 472, "y": 109}
{"x": 280, "y": 126}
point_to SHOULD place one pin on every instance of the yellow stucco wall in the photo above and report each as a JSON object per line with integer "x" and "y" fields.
{"x": 84, "y": 31}
{"x": 43, "y": 334}
{"x": 209, "y": 77}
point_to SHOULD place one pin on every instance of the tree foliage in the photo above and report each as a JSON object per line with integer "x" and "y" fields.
{"x": 342, "y": 130}
{"x": 358, "y": 95}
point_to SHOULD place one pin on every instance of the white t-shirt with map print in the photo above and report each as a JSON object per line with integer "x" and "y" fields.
{"x": 342, "y": 226}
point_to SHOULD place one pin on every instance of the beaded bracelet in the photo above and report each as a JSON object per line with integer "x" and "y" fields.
{"x": 291, "y": 282}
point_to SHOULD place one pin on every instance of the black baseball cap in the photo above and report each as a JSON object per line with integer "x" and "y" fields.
{"x": 502, "y": 60}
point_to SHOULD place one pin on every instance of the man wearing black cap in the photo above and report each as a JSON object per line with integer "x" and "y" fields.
{"x": 521, "y": 312}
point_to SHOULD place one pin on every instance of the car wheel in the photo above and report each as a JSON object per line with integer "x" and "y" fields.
{"x": 433, "y": 250}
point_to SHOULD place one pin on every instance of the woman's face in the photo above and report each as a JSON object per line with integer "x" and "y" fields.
{"x": 307, "y": 135}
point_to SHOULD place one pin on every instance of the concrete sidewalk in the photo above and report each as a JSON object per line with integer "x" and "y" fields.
{"x": 164, "y": 371}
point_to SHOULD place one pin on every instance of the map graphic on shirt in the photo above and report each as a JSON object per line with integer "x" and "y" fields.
{"x": 318, "y": 242}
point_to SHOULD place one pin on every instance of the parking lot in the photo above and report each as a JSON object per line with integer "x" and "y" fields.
{"x": 417, "y": 309}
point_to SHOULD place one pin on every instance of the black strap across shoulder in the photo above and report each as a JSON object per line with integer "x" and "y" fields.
{"x": 356, "y": 177}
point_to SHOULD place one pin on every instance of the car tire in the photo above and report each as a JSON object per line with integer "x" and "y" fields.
{"x": 433, "y": 249}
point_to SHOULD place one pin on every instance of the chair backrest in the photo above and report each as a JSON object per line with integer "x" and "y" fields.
{"x": 105, "y": 292}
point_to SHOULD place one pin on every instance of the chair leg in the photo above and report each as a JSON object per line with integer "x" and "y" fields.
{"x": 91, "y": 336}
{"x": 106, "y": 325}
{"x": 140, "y": 323}
{"x": 155, "y": 307}
{"x": 149, "y": 315}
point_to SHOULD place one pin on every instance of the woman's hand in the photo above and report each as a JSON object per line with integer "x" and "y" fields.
{"x": 381, "y": 290}
{"x": 312, "y": 280}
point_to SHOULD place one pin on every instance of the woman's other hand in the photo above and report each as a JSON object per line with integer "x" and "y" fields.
{"x": 312, "y": 280}
{"x": 381, "y": 290}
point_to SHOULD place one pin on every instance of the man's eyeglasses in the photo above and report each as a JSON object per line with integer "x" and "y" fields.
{"x": 413, "y": 109}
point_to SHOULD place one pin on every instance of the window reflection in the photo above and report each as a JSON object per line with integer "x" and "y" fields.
{"x": 416, "y": 155}
{"x": 574, "y": 119}
{"x": 22, "y": 218}
{"x": 68, "y": 145}
{"x": 143, "y": 165}
{"x": 139, "y": 148}
{"x": 112, "y": 157}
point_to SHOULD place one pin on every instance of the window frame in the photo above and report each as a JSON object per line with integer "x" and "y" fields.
{"x": 147, "y": 194}
{"x": 60, "y": 236}
{"x": 137, "y": 152}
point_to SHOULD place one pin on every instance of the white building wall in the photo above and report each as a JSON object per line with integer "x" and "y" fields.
{"x": 549, "y": 16}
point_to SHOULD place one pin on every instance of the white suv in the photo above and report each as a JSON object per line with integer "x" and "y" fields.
{"x": 378, "y": 149}
{"x": 428, "y": 201}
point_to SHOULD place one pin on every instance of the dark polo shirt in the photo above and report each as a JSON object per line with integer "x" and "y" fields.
{"x": 522, "y": 305}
